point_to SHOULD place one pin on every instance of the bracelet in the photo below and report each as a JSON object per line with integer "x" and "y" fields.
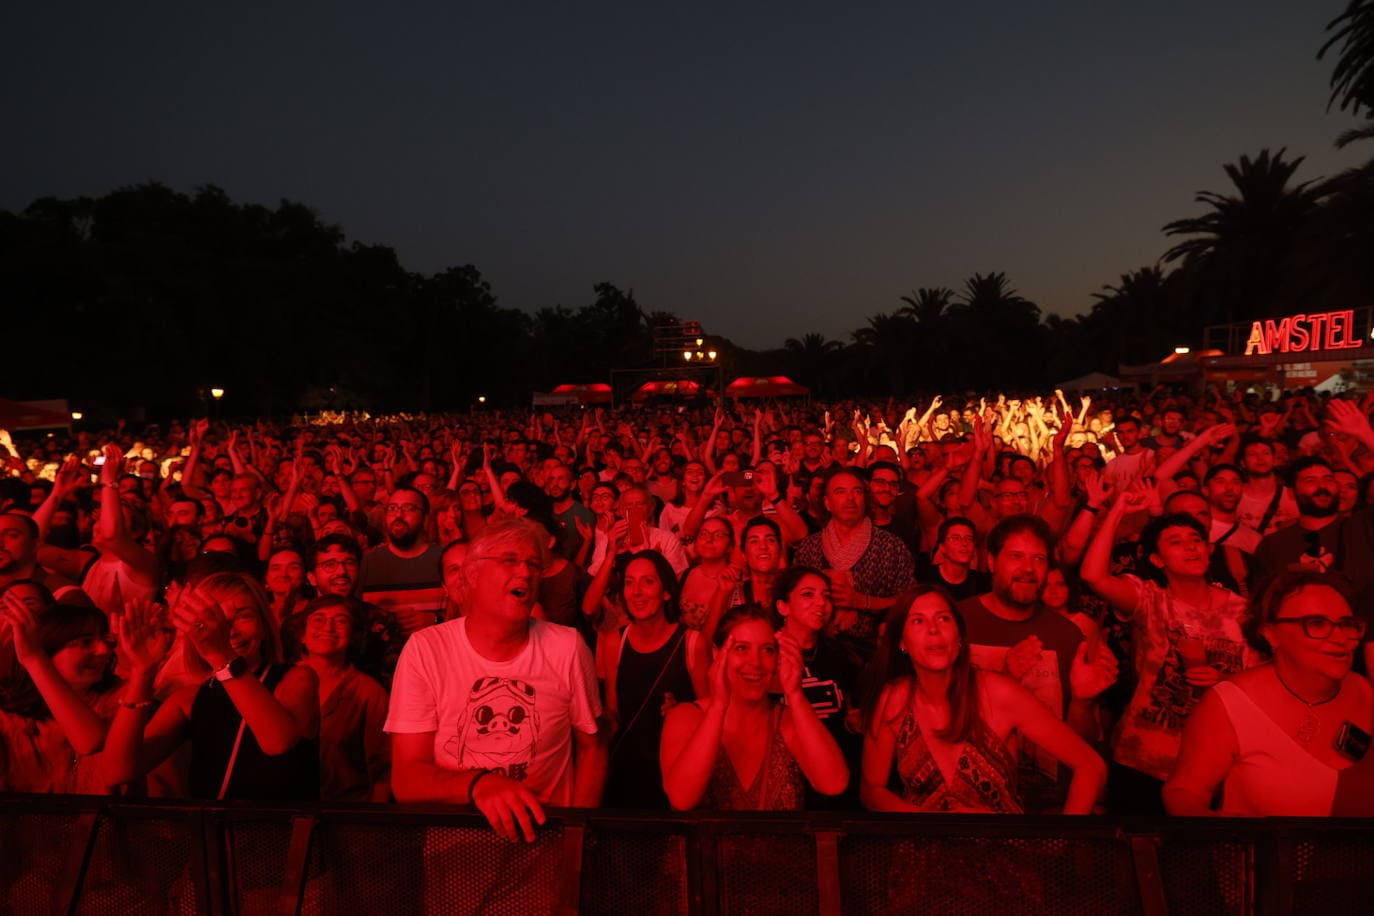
{"x": 142, "y": 704}
{"x": 472, "y": 786}
{"x": 1092, "y": 510}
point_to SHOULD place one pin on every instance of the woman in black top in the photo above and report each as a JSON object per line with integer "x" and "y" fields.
{"x": 653, "y": 663}
{"x": 253, "y": 724}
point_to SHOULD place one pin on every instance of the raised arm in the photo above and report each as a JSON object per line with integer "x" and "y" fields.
{"x": 692, "y": 734}
{"x": 278, "y": 719}
{"x": 84, "y": 730}
{"x": 811, "y": 744}
{"x": 109, "y": 534}
{"x": 1121, "y": 593}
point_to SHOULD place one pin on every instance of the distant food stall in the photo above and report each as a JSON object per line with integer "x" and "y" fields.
{"x": 17, "y": 415}
{"x": 766, "y": 386}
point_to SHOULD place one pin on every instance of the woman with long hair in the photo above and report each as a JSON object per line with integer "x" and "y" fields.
{"x": 653, "y": 663}
{"x": 252, "y": 724}
{"x": 742, "y": 750}
{"x": 936, "y": 727}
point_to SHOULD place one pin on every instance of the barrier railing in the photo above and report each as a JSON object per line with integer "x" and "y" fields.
{"x": 63, "y": 854}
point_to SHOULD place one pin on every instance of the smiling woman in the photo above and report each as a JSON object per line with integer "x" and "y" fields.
{"x": 1275, "y": 738}
{"x": 741, "y": 750}
{"x": 252, "y": 726}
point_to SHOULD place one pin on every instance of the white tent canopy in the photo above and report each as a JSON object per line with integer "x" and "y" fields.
{"x": 1090, "y": 382}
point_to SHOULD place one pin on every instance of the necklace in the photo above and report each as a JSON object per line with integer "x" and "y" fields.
{"x": 1307, "y": 728}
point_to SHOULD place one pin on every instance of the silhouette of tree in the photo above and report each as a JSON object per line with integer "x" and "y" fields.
{"x": 1352, "y": 80}
{"x": 1241, "y": 249}
{"x": 810, "y": 357}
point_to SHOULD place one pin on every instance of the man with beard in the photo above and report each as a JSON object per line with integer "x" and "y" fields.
{"x": 333, "y": 571}
{"x": 558, "y": 484}
{"x": 868, "y": 567}
{"x": 1315, "y": 540}
{"x": 402, "y": 575}
{"x": 1009, "y": 630}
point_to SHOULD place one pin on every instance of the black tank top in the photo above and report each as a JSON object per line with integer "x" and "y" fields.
{"x": 293, "y": 776}
{"x": 635, "y": 780}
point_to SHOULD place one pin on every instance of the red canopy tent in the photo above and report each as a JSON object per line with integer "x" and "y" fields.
{"x": 669, "y": 388}
{"x": 772, "y": 386}
{"x": 594, "y": 393}
{"x": 16, "y": 415}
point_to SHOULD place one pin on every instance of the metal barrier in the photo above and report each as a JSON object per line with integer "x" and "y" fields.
{"x": 66, "y": 854}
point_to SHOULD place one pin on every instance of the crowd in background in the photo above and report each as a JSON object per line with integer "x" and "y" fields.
{"x": 1135, "y": 604}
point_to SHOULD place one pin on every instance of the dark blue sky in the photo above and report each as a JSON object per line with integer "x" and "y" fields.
{"x": 770, "y": 173}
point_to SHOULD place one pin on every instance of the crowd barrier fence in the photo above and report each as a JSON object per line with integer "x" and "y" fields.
{"x": 86, "y": 855}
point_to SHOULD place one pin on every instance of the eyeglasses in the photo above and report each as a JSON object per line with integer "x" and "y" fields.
{"x": 399, "y": 508}
{"x": 510, "y": 562}
{"x": 350, "y": 563}
{"x": 1315, "y": 626}
{"x": 958, "y": 539}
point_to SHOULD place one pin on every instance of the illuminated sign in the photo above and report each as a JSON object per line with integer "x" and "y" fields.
{"x": 1303, "y": 333}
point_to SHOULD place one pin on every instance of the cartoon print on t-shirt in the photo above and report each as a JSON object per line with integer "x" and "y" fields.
{"x": 498, "y": 728}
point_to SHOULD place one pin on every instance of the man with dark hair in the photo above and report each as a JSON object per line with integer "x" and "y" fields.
{"x": 1315, "y": 540}
{"x": 1133, "y": 460}
{"x": 402, "y": 575}
{"x": 561, "y": 488}
{"x": 884, "y": 488}
{"x": 19, "y": 559}
{"x": 1266, "y": 505}
{"x": 1009, "y": 630}
{"x": 333, "y": 570}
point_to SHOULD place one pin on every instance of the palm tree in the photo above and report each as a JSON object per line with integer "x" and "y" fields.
{"x": 995, "y": 334}
{"x": 811, "y": 355}
{"x": 1352, "y": 82}
{"x": 1239, "y": 252}
{"x": 927, "y": 305}
{"x": 888, "y": 339}
{"x": 929, "y": 308}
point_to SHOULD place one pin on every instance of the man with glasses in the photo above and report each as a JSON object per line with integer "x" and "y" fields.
{"x": 402, "y": 575}
{"x": 497, "y": 709}
{"x": 334, "y": 566}
{"x": 884, "y": 488}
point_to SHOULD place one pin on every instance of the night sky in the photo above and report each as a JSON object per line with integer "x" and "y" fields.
{"x": 770, "y": 174}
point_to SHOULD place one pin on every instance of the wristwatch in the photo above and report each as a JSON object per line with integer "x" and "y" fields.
{"x": 235, "y": 667}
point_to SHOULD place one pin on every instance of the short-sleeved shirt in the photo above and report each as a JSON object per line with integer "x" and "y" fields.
{"x": 1149, "y": 732}
{"x": 514, "y": 716}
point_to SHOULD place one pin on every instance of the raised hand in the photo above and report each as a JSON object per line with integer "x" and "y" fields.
{"x": 790, "y": 665}
{"x": 202, "y": 621}
{"x": 113, "y": 469}
{"x": 22, "y": 623}
{"x": 1024, "y": 656}
{"x": 1088, "y": 678}
{"x": 145, "y": 635}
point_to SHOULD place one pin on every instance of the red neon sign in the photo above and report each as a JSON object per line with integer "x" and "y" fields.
{"x": 1302, "y": 333}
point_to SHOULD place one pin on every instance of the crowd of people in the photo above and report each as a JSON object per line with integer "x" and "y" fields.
{"x": 1156, "y": 604}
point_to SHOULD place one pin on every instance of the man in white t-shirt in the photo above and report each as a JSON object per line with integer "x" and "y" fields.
{"x": 497, "y": 709}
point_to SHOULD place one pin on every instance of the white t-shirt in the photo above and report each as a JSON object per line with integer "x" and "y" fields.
{"x": 515, "y": 716}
